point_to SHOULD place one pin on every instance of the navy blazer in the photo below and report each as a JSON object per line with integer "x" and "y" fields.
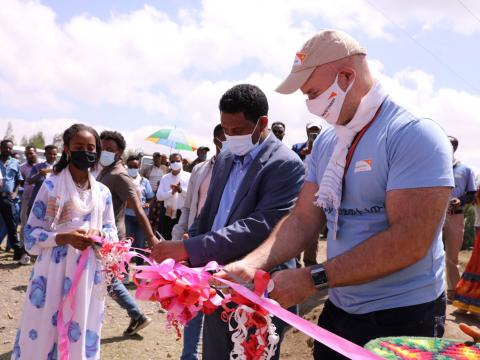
{"x": 267, "y": 193}
{"x": 299, "y": 147}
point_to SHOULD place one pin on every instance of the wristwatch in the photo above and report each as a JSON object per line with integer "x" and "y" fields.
{"x": 319, "y": 277}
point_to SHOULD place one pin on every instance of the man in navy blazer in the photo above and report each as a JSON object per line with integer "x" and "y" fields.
{"x": 255, "y": 182}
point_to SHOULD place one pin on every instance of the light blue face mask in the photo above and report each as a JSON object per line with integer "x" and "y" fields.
{"x": 132, "y": 172}
{"x": 107, "y": 158}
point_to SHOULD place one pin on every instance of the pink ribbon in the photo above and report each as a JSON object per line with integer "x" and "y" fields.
{"x": 154, "y": 273}
{"x": 61, "y": 326}
{"x": 117, "y": 256}
{"x": 334, "y": 342}
{"x": 180, "y": 290}
{"x": 185, "y": 291}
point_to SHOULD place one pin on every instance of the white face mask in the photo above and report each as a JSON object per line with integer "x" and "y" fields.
{"x": 240, "y": 144}
{"x": 132, "y": 172}
{"x": 107, "y": 158}
{"x": 175, "y": 166}
{"x": 329, "y": 103}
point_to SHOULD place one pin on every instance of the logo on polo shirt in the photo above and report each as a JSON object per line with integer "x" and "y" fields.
{"x": 363, "y": 165}
{"x": 332, "y": 95}
{"x": 299, "y": 58}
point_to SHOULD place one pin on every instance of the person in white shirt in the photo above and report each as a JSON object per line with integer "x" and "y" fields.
{"x": 194, "y": 202}
{"x": 198, "y": 188}
{"x": 172, "y": 190}
{"x": 155, "y": 172}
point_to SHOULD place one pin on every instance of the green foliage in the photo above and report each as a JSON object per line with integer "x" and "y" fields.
{"x": 37, "y": 140}
{"x": 469, "y": 235}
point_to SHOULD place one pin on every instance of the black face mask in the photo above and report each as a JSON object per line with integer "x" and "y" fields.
{"x": 83, "y": 159}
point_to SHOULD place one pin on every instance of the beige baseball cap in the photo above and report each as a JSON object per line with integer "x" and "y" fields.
{"x": 324, "y": 47}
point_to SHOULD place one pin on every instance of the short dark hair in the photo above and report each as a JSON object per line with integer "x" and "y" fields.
{"x": 50, "y": 147}
{"x": 176, "y": 154}
{"x": 218, "y": 131}
{"x": 5, "y": 141}
{"x": 155, "y": 154}
{"x": 454, "y": 142}
{"x": 115, "y": 136}
{"x": 278, "y": 123}
{"x": 247, "y": 99}
{"x": 133, "y": 158}
{"x": 28, "y": 147}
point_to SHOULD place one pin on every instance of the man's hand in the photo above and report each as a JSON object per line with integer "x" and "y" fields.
{"x": 179, "y": 188}
{"x": 152, "y": 241}
{"x": 241, "y": 269}
{"x": 45, "y": 171}
{"x": 13, "y": 195}
{"x": 454, "y": 203}
{"x": 305, "y": 151}
{"x": 169, "y": 249}
{"x": 291, "y": 286}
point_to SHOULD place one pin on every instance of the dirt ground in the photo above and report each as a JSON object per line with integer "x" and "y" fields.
{"x": 156, "y": 341}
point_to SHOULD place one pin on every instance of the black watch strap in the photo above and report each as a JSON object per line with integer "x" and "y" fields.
{"x": 319, "y": 277}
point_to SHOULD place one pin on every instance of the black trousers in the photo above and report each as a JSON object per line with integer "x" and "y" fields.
{"x": 7, "y": 211}
{"x": 217, "y": 343}
{"x": 426, "y": 319}
{"x": 167, "y": 224}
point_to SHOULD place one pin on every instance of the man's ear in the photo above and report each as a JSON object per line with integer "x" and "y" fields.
{"x": 346, "y": 76}
{"x": 263, "y": 120}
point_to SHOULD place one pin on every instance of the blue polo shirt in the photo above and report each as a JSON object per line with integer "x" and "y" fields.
{"x": 399, "y": 151}
{"x": 146, "y": 193}
{"x": 464, "y": 180}
{"x": 10, "y": 174}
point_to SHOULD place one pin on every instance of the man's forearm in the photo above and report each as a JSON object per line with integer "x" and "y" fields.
{"x": 289, "y": 238}
{"x": 144, "y": 223}
{"x": 17, "y": 186}
{"x": 375, "y": 258}
{"x": 412, "y": 229}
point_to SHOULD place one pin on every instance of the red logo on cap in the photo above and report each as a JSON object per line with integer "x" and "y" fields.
{"x": 299, "y": 59}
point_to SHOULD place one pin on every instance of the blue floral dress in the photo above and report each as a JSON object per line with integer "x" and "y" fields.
{"x": 51, "y": 278}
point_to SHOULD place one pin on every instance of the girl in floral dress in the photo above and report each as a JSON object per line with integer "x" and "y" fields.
{"x": 69, "y": 208}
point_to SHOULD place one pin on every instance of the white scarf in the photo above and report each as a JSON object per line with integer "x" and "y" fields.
{"x": 65, "y": 191}
{"x": 330, "y": 190}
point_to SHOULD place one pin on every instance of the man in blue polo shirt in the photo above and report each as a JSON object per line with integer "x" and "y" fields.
{"x": 10, "y": 181}
{"x": 369, "y": 178}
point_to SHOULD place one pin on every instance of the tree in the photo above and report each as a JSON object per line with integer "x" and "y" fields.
{"x": 9, "y": 133}
{"x": 37, "y": 140}
{"x": 24, "y": 141}
{"x": 58, "y": 141}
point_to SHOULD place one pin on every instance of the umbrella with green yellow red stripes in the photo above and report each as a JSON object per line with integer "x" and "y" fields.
{"x": 173, "y": 138}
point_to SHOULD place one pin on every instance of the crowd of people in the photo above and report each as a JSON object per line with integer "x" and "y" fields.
{"x": 381, "y": 186}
